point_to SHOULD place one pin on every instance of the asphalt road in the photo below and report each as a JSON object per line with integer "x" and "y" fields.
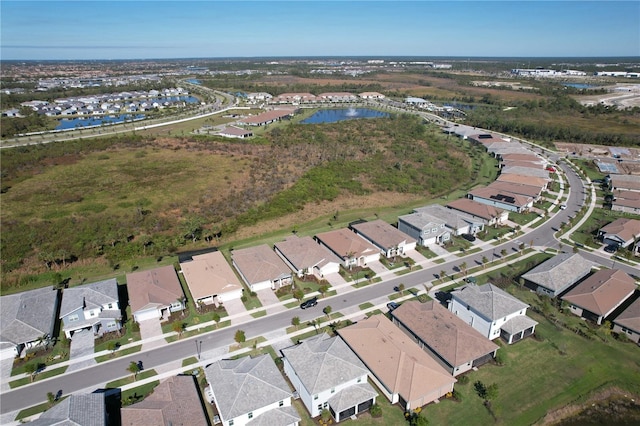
{"x": 94, "y": 377}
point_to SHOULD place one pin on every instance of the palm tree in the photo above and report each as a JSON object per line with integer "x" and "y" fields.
{"x": 134, "y": 369}
{"x": 327, "y": 311}
{"x": 484, "y": 261}
{"x": 216, "y": 318}
{"x": 295, "y": 321}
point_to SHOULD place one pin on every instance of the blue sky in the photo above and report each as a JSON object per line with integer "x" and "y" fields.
{"x": 188, "y": 29}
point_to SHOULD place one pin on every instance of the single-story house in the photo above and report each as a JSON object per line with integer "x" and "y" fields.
{"x": 456, "y": 345}
{"x": 353, "y": 250}
{"x": 235, "y": 132}
{"x": 621, "y": 232}
{"x": 557, "y": 274}
{"x": 628, "y": 322}
{"x": 625, "y": 182}
{"x": 258, "y": 97}
{"x": 492, "y": 311}
{"x": 390, "y": 240}
{"x": 488, "y": 139}
{"x": 490, "y": 215}
{"x": 457, "y": 222}
{"x": 519, "y": 163}
{"x": 92, "y": 306}
{"x": 155, "y": 293}
{"x": 530, "y": 158}
{"x": 600, "y": 294}
{"x": 175, "y": 401}
{"x": 267, "y": 117}
{"x": 306, "y": 257}
{"x": 251, "y": 391}
{"x": 294, "y": 98}
{"x": 425, "y": 228}
{"x": 371, "y": 95}
{"x": 626, "y": 201}
{"x": 526, "y": 171}
{"x": 501, "y": 199}
{"x": 403, "y": 372}
{"x": 211, "y": 279}
{"x": 328, "y": 375}
{"x": 517, "y": 188}
{"x": 500, "y": 149}
{"x": 336, "y": 97}
{"x": 28, "y": 320}
{"x": 261, "y": 268}
{"x": 77, "y": 409}
{"x": 526, "y": 180}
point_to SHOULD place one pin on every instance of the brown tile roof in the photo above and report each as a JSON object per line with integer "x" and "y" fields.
{"x": 304, "y": 252}
{"x": 344, "y": 243}
{"x": 259, "y": 263}
{"x": 483, "y": 211}
{"x": 630, "y": 317}
{"x": 156, "y": 287}
{"x": 517, "y": 188}
{"x": 527, "y": 180}
{"x": 173, "y": 402}
{"x": 382, "y": 233}
{"x": 522, "y": 157}
{"x": 602, "y": 291}
{"x": 487, "y": 138}
{"x": 446, "y": 334}
{"x": 626, "y": 229}
{"x": 520, "y": 163}
{"x": 267, "y": 116}
{"x": 209, "y": 274}
{"x": 395, "y": 359}
{"x": 626, "y": 181}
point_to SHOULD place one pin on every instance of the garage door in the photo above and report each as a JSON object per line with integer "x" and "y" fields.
{"x": 146, "y": 315}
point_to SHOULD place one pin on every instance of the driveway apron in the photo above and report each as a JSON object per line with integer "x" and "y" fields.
{"x": 269, "y": 300}
{"x": 236, "y": 308}
{"x": 151, "y": 329}
{"x": 82, "y": 345}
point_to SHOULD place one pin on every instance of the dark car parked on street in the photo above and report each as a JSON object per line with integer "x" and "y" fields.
{"x": 309, "y": 303}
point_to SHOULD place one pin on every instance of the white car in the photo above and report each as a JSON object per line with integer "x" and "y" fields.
{"x": 563, "y": 206}
{"x": 208, "y": 393}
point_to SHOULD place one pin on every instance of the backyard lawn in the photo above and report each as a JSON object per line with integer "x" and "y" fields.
{"x": 540, "y": 376}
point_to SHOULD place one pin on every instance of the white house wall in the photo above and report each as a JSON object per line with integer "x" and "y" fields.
{"x": 244, "y": 419}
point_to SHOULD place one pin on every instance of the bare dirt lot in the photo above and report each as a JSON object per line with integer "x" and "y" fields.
{"x": 621, "y": 95}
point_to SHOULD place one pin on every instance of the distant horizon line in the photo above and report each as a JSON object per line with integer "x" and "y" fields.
{"x": 370, "y": 57}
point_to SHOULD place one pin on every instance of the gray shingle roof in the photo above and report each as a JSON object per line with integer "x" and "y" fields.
{"x": 89, "y": 296}
{"x": 352, "y": 396}
{"x": 382, "y": 234}
{"x": 282, "y": 416}
{"x": 452, "y": 218}
{"x": 26, "y": 316}
{"x": 518, "y": 324}
{"x": 244, "y": 385}
{"x": 324, "y": 362}
{"x": 489, "y": 300}
{"x": 560, "y": 272}
{"x": 79, "y": 409}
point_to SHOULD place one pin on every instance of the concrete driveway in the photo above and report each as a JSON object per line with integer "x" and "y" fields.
{"x": 82, "y": 345}
{"x": 377, "y": 267}
{"x": 235, "y": 307}
{"x": 417, "y": 257}
{"x": 269, "y": 300}
{"x": 150, "y": 332}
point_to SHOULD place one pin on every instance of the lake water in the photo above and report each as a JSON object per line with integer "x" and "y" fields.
{"x": 74, "y": 123}
{"x": 193, "y": 81}
{"x": 341, "y": 114}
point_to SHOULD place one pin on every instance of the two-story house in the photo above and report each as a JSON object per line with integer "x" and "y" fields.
{"x": 492, "y": 311}
{"x": 424, "y": 228}
{"x": 92, "y": 306}
{"x": 251, "y": 391}
{"x": 328, "y": 375}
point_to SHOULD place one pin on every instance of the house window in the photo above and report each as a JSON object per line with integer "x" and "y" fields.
{"x": 110, "y": 306}
{"x": 92, "y": 313}
{"x": 434, "y": 230}
{"x": 231, "y": 422}
{"x": 281, "y": 404}
{"x": 73, "y": 318}
{"x": 250, "y": 415}
{"x": 333, "y": 390}
{"x": 315, "y": 397}
{"x": 325, "y": 405}
{"x": 359, "y": 379}
{"x": 319, "y": 407}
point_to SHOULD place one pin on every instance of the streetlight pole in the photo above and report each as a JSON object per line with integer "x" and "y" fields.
{"x": 198, "y": 348}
